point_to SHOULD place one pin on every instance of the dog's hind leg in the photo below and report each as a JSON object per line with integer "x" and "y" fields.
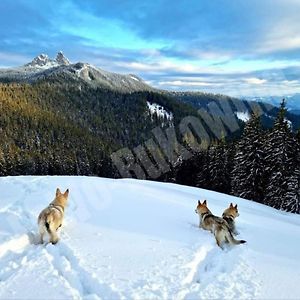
{"x": 41, "y": 238}
{"x": 220, "y": 244}
{"x": 220, "y": 239}
{"x": 41, "y": 233}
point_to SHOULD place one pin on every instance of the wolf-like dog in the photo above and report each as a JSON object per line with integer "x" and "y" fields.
{"x": 218, "y": 226}
{"x": 51, "y": 218}
{"x": 229, "y": 216}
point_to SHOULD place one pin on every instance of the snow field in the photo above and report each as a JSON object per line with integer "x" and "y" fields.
{"x": 131, "y": 239}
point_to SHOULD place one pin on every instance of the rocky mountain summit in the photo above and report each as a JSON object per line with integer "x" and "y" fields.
{"x": 61, "y": 59}
{"x": 43, "y": 68}
{"x": 43, "y": 60}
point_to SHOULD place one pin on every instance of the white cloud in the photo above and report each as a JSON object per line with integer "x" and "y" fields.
{"x": 283, "y": 35}
{"x": 254, "y": 80}
{"x": 185, "y": 83}
{"x": 165, "y": 65}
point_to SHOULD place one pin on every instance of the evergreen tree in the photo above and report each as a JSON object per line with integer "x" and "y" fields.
{"x": 291, "y": 201}
{"x": 280, "y": 158}
{"x": 248, "y": 165}
{"x": 219, "y": 167}
{"x": 203, "y": 174}
{"x": 186, "y": 169}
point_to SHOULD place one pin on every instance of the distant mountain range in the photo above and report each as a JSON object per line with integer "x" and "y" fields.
{"x": 61, "y": 70}
{"x": 235, "y": 108}
{"x": 63, "y": 118}
{"x": 292, "y": 101}
{"x": 69, "y": 117}
{"x": 42, "y": 67}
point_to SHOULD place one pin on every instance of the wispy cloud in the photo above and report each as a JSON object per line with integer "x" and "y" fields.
{"x": 254, "y": 80}
{"x": 179, "y": 83}
{"x": 233, "y": 47}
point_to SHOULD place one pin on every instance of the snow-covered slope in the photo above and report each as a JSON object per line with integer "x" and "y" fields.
{"x": 159, "y": 111}
{"x": 243, "y": 115}
{"x": 126, "y": 239}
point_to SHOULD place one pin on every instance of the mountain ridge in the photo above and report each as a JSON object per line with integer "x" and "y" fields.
{"x": 42, "y": 67}
{"x": 61, "y": 70}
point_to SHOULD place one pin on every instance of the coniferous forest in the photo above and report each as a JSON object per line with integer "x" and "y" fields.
{"x": 263, "y": 165}
{"x": 53, "y": 129}
{"x": 71, "y": 129}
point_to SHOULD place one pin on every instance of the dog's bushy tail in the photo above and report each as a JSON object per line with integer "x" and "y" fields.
{"x": 232, "y": 240}
{"x": 48, "y": 223}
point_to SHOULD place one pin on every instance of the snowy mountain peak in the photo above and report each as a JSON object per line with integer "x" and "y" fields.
{"x": 44, "y": 61}
{"x": 40, "y": 60}
{"x": 43, "y": 67}
{"x": 61, "y": 59}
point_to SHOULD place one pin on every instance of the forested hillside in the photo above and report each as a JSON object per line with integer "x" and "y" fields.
{"x": 263, "y": 165}
{"x": 232, "y": 106}
{"x": 52, "y": 127}
{"x": 59, "y": 118}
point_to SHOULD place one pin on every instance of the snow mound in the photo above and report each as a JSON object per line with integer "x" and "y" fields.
{"x": 131, "y": 239}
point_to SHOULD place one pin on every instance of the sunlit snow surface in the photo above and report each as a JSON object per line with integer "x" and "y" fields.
{"x": 131, "y": 239}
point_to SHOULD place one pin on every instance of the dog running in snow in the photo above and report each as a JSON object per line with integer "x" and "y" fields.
{"x": 51, "y": 218}
{"x": 216, "y": 225}
{"x": 229, "y": 216}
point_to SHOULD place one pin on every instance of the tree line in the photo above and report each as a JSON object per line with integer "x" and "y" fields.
{"x": 71, "y": 129}
{"x": 263, "y": 165}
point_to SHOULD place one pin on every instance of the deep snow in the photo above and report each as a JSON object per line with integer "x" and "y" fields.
{"x": 139, "y": 239}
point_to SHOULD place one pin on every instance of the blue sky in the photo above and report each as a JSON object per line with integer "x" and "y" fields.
{"x": 240, "y": 47}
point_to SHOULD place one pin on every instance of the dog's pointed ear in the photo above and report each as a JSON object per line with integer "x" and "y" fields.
{"x": 199, "y": 203}
{"x": 205, "y": 202}
{"x": 231, "y": 205}
{"x": 235, "y": 206}
{"x": 66, "y": 194}
{"x": 58, "y": 192}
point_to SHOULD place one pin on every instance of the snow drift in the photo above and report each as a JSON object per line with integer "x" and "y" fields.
{"x": 139, "y": 240}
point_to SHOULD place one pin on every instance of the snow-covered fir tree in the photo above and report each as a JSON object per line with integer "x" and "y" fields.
{"x": 202, "y": 173}
{"x": 186, "y": 169}
{"x": 248, "y": 169}
{"x": 219, "y": 167}
{"x": 291, "y": 200}
{"x": 281, "y": 173}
